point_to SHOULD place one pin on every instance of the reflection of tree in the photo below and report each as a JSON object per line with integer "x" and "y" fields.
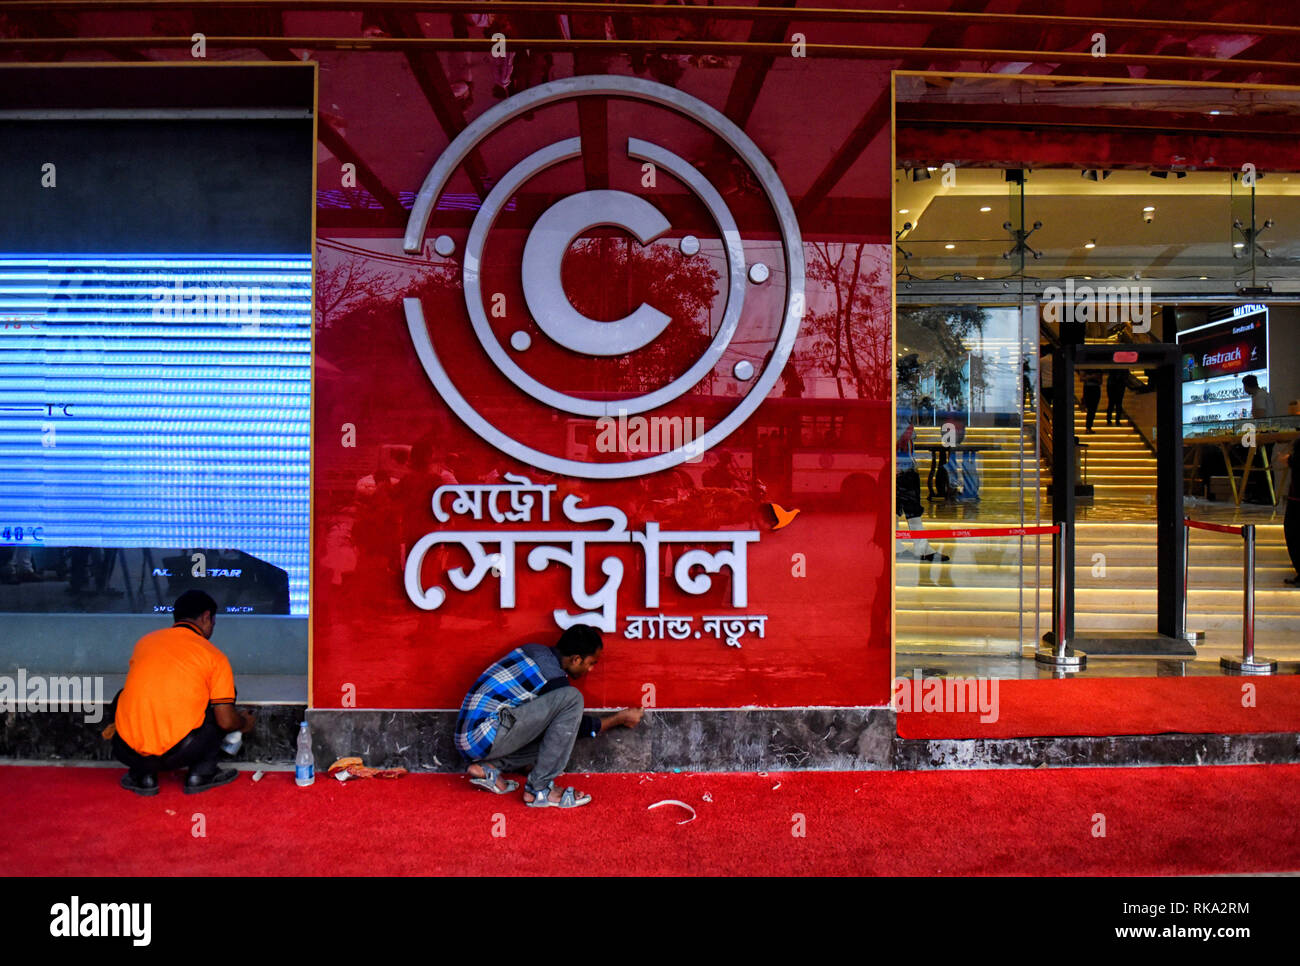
{"x": 345, "y": 282}
{"x": 360, "y": 325}
{"x": 853, "y": 336}
{"x": 938, "y": 335}
{"x": 607, "y": 278}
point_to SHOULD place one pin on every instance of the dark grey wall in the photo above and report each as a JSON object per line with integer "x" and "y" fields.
{"x": 102, "y": 643}
{"x": 166, "y": 187}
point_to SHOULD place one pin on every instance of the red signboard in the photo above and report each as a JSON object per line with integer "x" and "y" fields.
{"x": 600, "y": 398}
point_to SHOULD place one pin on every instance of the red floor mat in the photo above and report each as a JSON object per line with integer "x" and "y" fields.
{"x": 1118, "y": 706}
{"x": 76, "y": 821}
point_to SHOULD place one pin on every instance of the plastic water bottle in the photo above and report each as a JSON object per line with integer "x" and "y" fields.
{"x": 230, "y": 744}
{"x": 305, "y": 762}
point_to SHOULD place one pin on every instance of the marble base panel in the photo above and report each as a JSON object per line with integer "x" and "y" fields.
{"x": 749, "y": 740}
{"x": 784, "y": 739}
{"x": 1168, "y": 749}
{"x": 67, "y": 736}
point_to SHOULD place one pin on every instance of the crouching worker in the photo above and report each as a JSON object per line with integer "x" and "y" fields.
{"x": 522, "y": 711}
{"x": 178, "y": 703}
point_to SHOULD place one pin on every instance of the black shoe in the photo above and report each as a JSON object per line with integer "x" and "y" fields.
{"x": 146, "y": 785}
{"x": 936, "y": 555}
{"x": 201, "y": 783}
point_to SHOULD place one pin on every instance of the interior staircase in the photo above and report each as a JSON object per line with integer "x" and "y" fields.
{"x": 992, "y": 597}
{"x": 1117, "y": 461}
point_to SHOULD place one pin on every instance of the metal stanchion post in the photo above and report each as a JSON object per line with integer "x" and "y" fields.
{"x": 1193, "y": 637}
{"x": 1248, "y": 663}
{"x": 1060, "y": 656}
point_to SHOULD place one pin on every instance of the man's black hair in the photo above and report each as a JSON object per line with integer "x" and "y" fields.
{"x": 192, "y": 605}
{"x": 581, "y": 640}
{"x": 1250, "y": 381}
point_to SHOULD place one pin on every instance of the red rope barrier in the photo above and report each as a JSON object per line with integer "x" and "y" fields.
{"x": 982, "y": 532}
{"x": 1216, "y": 527}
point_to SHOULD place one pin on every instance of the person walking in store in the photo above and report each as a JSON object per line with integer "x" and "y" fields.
{"x": 1116, "y": 384}
{"x": 1261, "y": 407}
{"x": 1091, "y": 395}
{"x": 1291, "y": 521}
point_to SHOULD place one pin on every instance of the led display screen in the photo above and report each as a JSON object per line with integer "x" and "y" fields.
{"x": 154, "y": 419}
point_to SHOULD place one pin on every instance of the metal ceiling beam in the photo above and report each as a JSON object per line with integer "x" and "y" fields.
{"x": 432, "y": 80}
{"x": 366, "y": 176}
{"x": 813, "y": 14}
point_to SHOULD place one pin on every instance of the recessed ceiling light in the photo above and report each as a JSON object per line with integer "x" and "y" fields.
{"x": 1149, "y": 208}
{"x": 1091, "y": 244}
{"x": 1087, "y": 278}
{"x": 929, "y": 168}
{"x": 903, "y": 211}
{"x": 1238, "y": 244}
{"x": 979, "y": 278}
{"x": 950, "y": 245}
{"x": 1205, "y": 278}
{"x": 986, "y": 208}
{"x": 1216, "y": 113}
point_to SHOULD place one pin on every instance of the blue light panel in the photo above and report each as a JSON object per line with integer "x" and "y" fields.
{"x": 151, "y": 401}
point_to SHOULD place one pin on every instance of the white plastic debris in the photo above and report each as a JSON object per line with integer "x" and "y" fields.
{"x": 673, "y": 801}
{"x": 776, "y": 786}
{"x": 257, "y": 776}
{"x": 707, "y": 797}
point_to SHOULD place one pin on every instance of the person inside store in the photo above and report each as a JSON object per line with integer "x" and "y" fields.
{"x": 1261, "y": 407}
{"x": 523, "y": 714}
{"x": 1291, "y": 519}
{"x": 907, "y": 481}
{"x": 1116, "y": 384}
{"x": 178, "y": 703}
{"x": 1091, "y": 395}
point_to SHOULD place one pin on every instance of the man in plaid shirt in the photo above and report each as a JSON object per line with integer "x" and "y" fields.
{"x": 522, "y": 711}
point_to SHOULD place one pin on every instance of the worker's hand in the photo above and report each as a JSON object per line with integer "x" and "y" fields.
{"x": 250, "y": 719}
{"x": 631, "y": 717}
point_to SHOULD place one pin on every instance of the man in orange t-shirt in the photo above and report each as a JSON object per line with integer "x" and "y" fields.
{"x": 178, "y": 703}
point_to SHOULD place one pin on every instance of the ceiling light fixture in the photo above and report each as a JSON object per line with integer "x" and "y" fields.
{"x": 1091, "y": 244}
{"x": 986, "y": 208}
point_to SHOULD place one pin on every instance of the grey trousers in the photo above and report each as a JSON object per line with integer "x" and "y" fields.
{"x": 540, "y": 733}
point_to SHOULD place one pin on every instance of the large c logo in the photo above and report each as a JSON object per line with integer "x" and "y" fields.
{"x": 551, "y": 237}
{"x": 553, "y": 233}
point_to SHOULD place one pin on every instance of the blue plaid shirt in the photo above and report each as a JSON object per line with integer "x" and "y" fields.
{"x": 523, "y": 674}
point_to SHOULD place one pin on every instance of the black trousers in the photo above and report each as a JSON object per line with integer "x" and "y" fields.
{"x": 1091, "y": 400}
{"x": 907, "y": 494}
{"x": 197, "y": 751}
{"x": 1291, "y": 530}
{"x": 1115, "y": 406}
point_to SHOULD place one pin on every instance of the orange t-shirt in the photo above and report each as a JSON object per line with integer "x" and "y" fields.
{"x": 174, "y": 675}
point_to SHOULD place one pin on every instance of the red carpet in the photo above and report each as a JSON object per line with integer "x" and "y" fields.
{"x": 1120, "y": 706}
{"x": 76, "y": 821}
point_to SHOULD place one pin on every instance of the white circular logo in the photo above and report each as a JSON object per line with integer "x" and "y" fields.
{"x": 560, "y": 326}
